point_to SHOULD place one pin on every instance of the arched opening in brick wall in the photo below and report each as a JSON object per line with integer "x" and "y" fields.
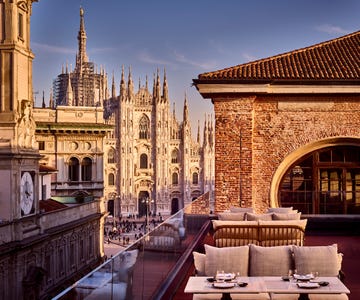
{"x": 322, "y": 179}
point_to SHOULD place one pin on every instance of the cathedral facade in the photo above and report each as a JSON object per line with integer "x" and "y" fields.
{"x": 148, "y": 161}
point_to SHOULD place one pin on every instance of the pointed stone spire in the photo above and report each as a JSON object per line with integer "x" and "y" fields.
{"x": 186, "y": 112}
{"x": 146, "y": 83}
{"x": 139, "y": 88}
{"x": 206, "y": 135}
{"x": 165, "y": 89}
{"x": 211, "y": 133}
{"x": 198, "y": 133}
{"x": 43, "y": 105}
{"x": 130, "y": 86}
{"x": 69, "y": 93}
{"x": 157, "y": 92}
{"x": 113, "y": 91}
{"x": 174, "y": 114}
{"x": 82, "y": 56}
{"x": 122, "y": 85}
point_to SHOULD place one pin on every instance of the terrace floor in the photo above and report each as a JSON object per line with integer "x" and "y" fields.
{"x": 349, "y": 245}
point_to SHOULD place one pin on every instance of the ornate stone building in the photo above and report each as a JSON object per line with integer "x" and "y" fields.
{"x": 288, "y": 126}
{"x": 40, "y": 249}
{"x": 149, "y": 161}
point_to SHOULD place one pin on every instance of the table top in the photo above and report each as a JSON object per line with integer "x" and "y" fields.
{"x": 268, "y": 284}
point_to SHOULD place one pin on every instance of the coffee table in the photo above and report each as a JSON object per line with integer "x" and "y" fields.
{"x": 271, "y": 284}
{"x": 277, "y": 286}
{"x": 200, "y": 285}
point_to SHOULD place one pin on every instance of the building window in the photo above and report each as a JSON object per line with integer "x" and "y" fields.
{"x": 21, "y": 26}
{"x": 86, "y": 165}
{"x": 73, "y": 169}
{"x": 195, "y": 178}
{"x": 325, "y": 181}
{"x": 111, "y": 156}
{"x": 143, "y": 161}
{"x": 174, "y": 156}
{"x": 144, "y": 126}
{"x": 111, "y": 179}
{"x": 41, "y": 145}
{"x": 175, "y": 178}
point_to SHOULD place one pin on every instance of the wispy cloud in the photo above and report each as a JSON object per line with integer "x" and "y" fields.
{"x": 248, "y": 57}
{"x": 52, "y": 49}
{"x": 203, "y": 65}
{"x": 101, "y": 50}
{"x": 331, "y": 29}
{"x": 147, "y": 58}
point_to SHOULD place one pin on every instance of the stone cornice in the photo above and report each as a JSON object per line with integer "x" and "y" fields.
{"x": 209, "y": 90}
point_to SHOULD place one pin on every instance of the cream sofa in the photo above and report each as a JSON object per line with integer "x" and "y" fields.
{"x": 254, "y": 260}
{"x": 262, "y": 233}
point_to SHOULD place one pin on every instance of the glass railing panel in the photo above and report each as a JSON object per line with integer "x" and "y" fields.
{"x": 139, "y": 270}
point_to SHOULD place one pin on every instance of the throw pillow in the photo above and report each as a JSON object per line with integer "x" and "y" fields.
{"x": 227, "y": 259}
{"x": 199, "y": 262}
{"x": 241, "y": 209}
{"x": 321, "y": 259}
{"x": 270, "y": 261}
{"x": 289, "y": 216}
{"x": 257, "y": 217}
{"x": 231, "y": 216}
{"x": 217, "y": 223}
{"x": 280, "y": 210}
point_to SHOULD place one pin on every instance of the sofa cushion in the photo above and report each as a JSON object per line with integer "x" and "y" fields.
{"x": 281, "y": 210}
{"x": 241, "y": 209}
{"x": 227, "y": 259}
{"x": 321, "y": 259}
{"x": 199, "y": 263}
{"x": 229, "y": 216}
{"x": 257, "y": 217}
{"x": 217, "y": 223}
{"x": 286, "y": 216}
{"x": 302, "y": 223}
{"x": 270, "y": 261}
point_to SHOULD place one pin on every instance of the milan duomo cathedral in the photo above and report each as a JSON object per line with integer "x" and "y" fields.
{"x": 150, "y": 161}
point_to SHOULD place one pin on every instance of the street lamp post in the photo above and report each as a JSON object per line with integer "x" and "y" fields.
{"x": 147, "y": 202}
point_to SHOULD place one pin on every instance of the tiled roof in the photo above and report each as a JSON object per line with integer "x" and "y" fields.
{"x": 337, "y": 59}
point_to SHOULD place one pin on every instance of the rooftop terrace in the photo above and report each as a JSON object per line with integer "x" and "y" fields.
{"x": 158, "y": 265}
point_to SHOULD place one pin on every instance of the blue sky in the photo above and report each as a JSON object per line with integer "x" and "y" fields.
{"x": 186, "y": 37}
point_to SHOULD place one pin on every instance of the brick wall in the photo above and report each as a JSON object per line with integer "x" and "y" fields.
{"x": 271, "y": 128}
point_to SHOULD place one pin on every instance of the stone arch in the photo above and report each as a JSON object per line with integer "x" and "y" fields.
{"x": 301, "y": 152}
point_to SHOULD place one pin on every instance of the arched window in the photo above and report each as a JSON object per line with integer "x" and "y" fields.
{"x": 175, "y": 178}
{"x": 195, "y": 178}
{"x": 86, "y": 165}
{"x": 73, "y": 169}
{"x": 111, "y": 179}
{"x": 143, "y": 161}
{"x": 326, "y": 181}
{"x": 144, "y": 126}
{"x": 174, "y": 156}
{"x": 111, "y": 156}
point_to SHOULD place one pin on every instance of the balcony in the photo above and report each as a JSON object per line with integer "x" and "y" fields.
{"x": 157, "y": 266}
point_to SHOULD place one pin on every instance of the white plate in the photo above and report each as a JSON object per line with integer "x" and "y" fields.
{"x": 223, "y": 285}
{"x": 225, "y": 276}
{"x": 303, "y": 277}
{"x": 308, "y": 285}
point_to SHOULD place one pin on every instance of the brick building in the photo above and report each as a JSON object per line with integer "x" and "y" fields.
{"x": 287, "y": 129}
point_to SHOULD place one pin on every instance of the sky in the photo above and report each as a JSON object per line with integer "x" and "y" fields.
{"x": 184, "y": 37}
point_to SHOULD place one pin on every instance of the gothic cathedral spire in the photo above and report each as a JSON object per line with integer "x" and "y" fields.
{"x": 82, "y": 56}
{"x": 165, "y": 89}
